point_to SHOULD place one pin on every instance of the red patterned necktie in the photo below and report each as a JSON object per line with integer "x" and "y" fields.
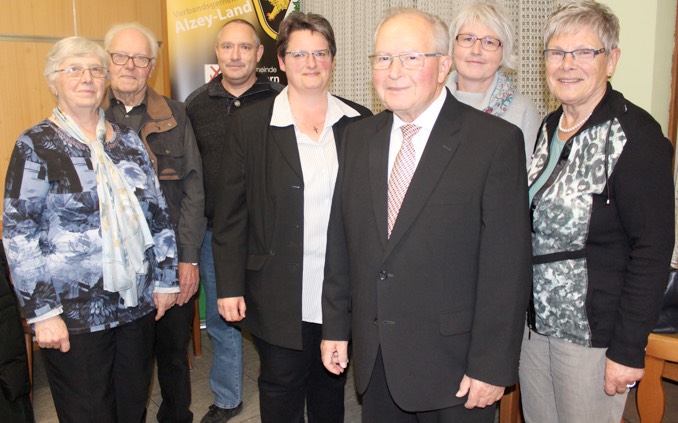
{"x": 401, "y": 174}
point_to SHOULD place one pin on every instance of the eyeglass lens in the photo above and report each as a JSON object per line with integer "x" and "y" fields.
{"x": 122, "y": 59}
{"x": 78, "y": 71}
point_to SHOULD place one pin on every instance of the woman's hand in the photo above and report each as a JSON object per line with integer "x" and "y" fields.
{"x": 52, "y": 333}
{"x": 232, "y": 309}
{"x": 619, "y": 378}
{"x": 163, "y": 302}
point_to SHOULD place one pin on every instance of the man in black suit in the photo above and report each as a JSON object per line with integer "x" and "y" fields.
{"x": 428, "y": 258}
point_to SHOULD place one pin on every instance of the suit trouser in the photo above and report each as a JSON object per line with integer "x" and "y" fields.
{"x": 105, "y": 376}
{"x": 172, "y": 334}
{"x": 289, "y": 378}
{"x": 379, "y": 406}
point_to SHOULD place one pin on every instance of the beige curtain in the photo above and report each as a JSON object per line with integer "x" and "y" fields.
{"x": 354, "y": 22}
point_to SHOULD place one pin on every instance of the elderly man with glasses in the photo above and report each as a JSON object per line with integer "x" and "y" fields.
{"x": 428, "y": 245}
{"x": 164, "y": 128}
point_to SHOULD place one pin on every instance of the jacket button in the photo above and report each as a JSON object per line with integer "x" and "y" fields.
{"x": 236, "y": 103}
{"x": 375, "y": 321}
{"x": 383, "y": 275}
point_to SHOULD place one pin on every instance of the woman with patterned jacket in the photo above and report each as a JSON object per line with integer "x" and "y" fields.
{"x": 89, "y": 244}
{"x": 601, "y": 196}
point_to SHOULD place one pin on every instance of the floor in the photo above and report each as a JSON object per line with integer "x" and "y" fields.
{"x": 202, "y": 395}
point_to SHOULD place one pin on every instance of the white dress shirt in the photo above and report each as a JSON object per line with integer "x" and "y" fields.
{"x": 426, "y": 120}
{"x": 319, "y": 166}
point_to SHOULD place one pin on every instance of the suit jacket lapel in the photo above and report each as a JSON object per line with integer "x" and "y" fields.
{"x": 440, "y": 148}
{"x": 338, "y": 129}
{"x": 286, "y": 141}
{"x": 378, "y": 173}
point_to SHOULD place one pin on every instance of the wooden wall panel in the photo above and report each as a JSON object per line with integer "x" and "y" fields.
{"x": 46, "y": 18}
{"x": 26, "y": 98}
{"x": 28, "y": 29}
{"x": 94, "y": 18}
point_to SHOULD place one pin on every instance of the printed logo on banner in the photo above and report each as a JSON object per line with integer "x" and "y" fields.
{"x": 211, "y": 70}
{"x": 270, "y": 13}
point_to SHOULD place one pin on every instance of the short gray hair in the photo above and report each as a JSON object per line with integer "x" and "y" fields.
{"x": 440, "y": 35}
{"x": 584, "y": 14}
{"x": 240, "y": 21}
{"x": 72, "y": 47}
{"x": 116, "y": 29}
{"x": 494, "y": 17}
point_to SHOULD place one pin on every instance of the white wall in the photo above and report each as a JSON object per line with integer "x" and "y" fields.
{"x": 646, "y": 41}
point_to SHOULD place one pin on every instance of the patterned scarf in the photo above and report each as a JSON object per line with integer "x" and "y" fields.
{"x": 501, "y": 96}
{"x": 125, "y": 233}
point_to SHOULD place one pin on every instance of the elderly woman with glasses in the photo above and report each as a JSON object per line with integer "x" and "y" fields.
{"x": 482, "y": 55}
{"x": 601, "y": 198}
{"x": 89, "y": 244}
{"x": 270, "y": 223}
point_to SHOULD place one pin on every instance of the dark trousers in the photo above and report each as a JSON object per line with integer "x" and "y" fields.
{"x": 105, "y": 376}
{"x": 15, "y": 386}
{"x": 379, "y": 406}
{"x": 172, "y": 334}
{"x": 290, "y": 378}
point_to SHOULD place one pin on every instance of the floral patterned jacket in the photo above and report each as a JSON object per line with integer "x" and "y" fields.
{"x": 51, "y": 229}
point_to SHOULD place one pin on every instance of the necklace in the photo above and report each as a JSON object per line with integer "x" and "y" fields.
{"x": 315, "y": 127}
{"x": 576, "y": 125}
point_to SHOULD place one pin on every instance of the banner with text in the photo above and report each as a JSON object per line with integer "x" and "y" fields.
{"x": 192, "y": 27}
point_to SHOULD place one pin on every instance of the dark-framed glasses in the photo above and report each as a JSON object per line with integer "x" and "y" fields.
{"x": 301, "y": 55}
{"x": 554, "y": 55}
{"x": 78, "y": 71}
{"x": 121, "y": 59}
{"x": 408, "y": 60}
{"x": 487, "y": 43}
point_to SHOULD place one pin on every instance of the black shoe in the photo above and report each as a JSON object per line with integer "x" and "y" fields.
{"x": 221, "y": 415}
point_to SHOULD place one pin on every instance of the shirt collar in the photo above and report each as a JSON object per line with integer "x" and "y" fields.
{"x": 216, "y": 89}
{"x": 282, "y": 112}
{"x": 114, "y": 101}
{"x": 428, "y": 118}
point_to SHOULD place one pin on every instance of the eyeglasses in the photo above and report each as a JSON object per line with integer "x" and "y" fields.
{"x": 487, "y": 43}
{"x": 121, "y": 59}
{"x": 408, "y": 60}
{"x": 78, "y": 71}
{"x": 554, "y": 55}
{"x": 301, "y": 55}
